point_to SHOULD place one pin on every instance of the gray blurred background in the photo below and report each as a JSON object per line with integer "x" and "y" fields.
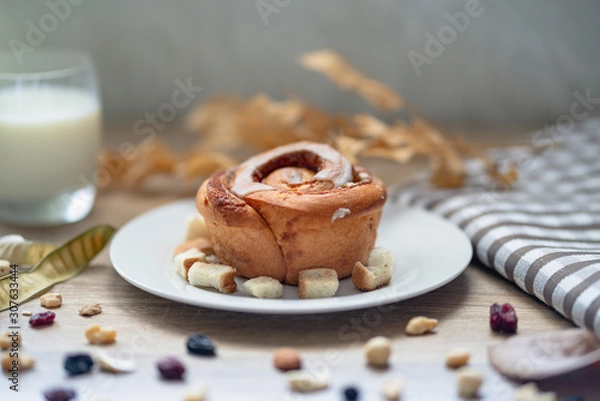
{"x": 514, "y": 63}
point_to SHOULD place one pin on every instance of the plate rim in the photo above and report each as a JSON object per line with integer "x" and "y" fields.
{"x": 306, "y": 306}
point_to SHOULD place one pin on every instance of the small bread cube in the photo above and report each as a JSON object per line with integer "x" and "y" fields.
{"x": 203, "y": 244}
{"x": 185, "y": 260}
{"x": 195, "y": 227}
{"x": 377, "y": 272}
{"x": 317, "y": 283}
{"x": 263, "y": 287}
{"x": 217, "y": 276}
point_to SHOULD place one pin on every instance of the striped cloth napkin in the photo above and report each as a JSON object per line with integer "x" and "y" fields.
{"x": 543, "y": 235}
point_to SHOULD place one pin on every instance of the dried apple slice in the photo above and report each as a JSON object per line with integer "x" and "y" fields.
{"x": 543, "y": 355}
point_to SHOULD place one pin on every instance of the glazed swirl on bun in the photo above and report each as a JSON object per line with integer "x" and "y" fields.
{"x": 296, "y": 207}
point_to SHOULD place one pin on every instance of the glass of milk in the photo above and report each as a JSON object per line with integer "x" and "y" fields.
{"x": 50, "y": 136}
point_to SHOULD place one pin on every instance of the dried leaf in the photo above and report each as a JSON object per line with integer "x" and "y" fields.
{"x": 370, "y": 126}
{"x": 339, "y": 71}
{"x": 505, "y": 179}
{"x": 264, "y": 126}
{"x": 229, "y": 125}
{"x": 468, "y": 149}
{"x": 113, "y": 164}
{"x": 18, "y": 250}
{"x": 59, "y": 265}
{"x": 349, "y": 147}
{"x": 448, "y": 173}
{"x": 200, "y": 164}
{"x": 150, "y": 158}
{"x": 400, "y": 155}
{"x": 384, "y": 135}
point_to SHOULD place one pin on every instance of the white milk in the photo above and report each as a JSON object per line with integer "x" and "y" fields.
{"x": 49, "y": 138}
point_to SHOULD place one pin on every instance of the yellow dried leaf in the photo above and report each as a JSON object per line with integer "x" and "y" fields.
{"x": 203, "y": 164}
{"x": 349, "y": 147}
{"x": 470, "y": 150}
{"x": 505, "y": 179}
{"x": 152, "y": 157}
{"x": 343, "y": 74}
{"x": 400, "y": 155}
{"x": 371, "y": 126}
{"x": 447, "y": 174}
{"x": 217, "y": 122}
{"x": 113, "y": 166}
{"x": 261, "y": 128}
{"x": 229, "y": 125}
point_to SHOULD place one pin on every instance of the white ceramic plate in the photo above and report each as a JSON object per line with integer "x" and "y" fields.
{"x": 428, "y": 253}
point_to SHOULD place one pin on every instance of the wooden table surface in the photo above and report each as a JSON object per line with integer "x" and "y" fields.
{"x": 150, "y": 327}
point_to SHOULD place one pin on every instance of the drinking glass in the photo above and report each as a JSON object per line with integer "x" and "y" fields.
{"x": 50, "y": 136}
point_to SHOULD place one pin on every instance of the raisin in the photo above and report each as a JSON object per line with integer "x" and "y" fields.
{"x": 199, "y": 344}
{"x": 171, "y": 368}
{"x": 42, "y": 318}
{"x": 503, "y": 318}
{"x": 77, "y": 364}
{"x": 351, "y": 394}
{"x": 59, "y": 394}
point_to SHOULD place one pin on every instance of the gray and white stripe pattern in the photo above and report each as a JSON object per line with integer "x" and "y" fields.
{"x": 544, "y": 234}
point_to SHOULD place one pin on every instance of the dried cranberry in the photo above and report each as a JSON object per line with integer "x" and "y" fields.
{"x": 171, "y": 368}
{"x": 42, "y": 318}
{"x": 199, "y": 344}
{"x": 77, "y": 364}
{"x": 59, "y": 394}
{"x": 503, "y": 318}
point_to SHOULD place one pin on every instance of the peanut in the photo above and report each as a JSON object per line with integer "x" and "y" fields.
{"x": 23, "y": 361}
{"x": 90, "y": 310}
{"x": 468, "y": 381}
{"x": 287, "y": 359}
{"x": 7, "y": 341}
{"x": 195, "y": 394}
{"x": 100, "y": 335}
{"x": 378, "y": 350}
{"x": 420, "y": 325}
{"x": 530, "y": 392}
{"x": 51, "y": 300}
{"x": 391, "y": 389}
{"x": 457, "y": 358}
